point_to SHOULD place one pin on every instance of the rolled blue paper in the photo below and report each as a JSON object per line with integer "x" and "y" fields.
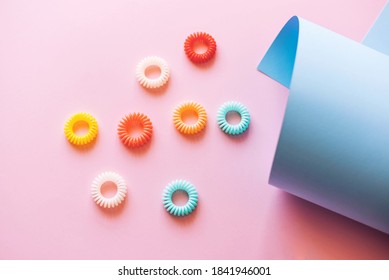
{"x": 333, "y": 148}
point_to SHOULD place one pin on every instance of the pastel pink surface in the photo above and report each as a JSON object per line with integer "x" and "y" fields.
{"x": 61, "y": 57}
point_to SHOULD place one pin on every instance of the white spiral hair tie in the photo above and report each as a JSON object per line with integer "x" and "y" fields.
{"x": 109, "y": 202}
{"x": 149, "y": 62}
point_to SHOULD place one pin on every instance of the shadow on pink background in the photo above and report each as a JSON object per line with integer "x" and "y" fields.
{"x": 61, "y": 57}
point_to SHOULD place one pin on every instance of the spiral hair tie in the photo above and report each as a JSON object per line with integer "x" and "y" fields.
{"x": 132, "y": 120}
{"x": 149, "y": 62}
{"x": 109, "y": 202}
{"x": 233, "y": 107}
{"x": 200, "y": 37}
{"x": 180, "y": 185}
{"x": 80, "y": 140}
{"x": 190, "y": 128}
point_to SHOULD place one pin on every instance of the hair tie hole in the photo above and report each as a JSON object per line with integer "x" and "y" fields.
{"x": 233, "y": 117}
{"x": 200, "y": 47}
{"x": 81, "y": 128}
{"x": 180, "y": 198}
{"x": 153, "y": 72}
{"x": 109, "y": 189}
{"x": 189, "y": 117}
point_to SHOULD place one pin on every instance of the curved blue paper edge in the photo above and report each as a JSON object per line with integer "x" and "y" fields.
{"x": 278, "y": 62}
{"x": 333, "y": 146}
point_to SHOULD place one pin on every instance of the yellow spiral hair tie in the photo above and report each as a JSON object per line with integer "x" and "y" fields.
{"x": 190, "y": 128}
{"x": 80, "y": 140}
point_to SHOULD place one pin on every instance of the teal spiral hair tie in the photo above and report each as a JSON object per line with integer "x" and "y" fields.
{"x": 233, "y": 129}
{"x": 180, "y": 185}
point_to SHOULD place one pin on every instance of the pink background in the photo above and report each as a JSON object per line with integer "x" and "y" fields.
{"x": 61, "y": 57}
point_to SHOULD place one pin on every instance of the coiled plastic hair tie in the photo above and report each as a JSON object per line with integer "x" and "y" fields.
{"x": 149, "y": 62}
{"x": 108, "y": 202}
{"x": 80, "y": 140}
{"x": 233, "y": 107}
{"x": 200, "y": 37}
{"x": 190, "y": 128}
{"x": 135, "y": 119}
{"x": 180, "y": 185}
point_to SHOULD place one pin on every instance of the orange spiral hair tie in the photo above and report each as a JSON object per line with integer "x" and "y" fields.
{"x": 200, "y": 37}
{"x": 190, "y": 128}
{"x": 131, "y": 120}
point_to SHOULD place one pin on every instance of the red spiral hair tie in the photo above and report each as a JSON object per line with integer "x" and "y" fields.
{"x": 200, "y": 37}
{"x": 132, "y": 120}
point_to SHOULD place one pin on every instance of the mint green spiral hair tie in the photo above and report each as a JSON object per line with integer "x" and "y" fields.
{"x": 180, "y": 185}
{"x": 233, "y": 129}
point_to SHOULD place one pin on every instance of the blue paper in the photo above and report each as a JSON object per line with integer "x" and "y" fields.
{"x": 378, "y": 36}
{"x": 333, "y": 149}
